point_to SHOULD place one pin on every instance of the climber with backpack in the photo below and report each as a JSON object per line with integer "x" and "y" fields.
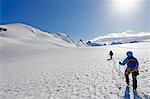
{"x": 132, "y": 67}
{"x": 111, "y": 54}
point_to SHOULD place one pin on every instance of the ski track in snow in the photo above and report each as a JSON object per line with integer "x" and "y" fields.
{"x": 77, "y": 74}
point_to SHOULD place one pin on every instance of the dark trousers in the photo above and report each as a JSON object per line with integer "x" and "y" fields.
{"x": 110, "y": 57}
{"x": 134, "y": 75}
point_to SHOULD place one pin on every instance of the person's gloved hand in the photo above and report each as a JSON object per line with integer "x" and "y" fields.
{"x": 120, "y": 63}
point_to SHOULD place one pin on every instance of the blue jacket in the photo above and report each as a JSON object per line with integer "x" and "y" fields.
{"x": 126, "y": 61}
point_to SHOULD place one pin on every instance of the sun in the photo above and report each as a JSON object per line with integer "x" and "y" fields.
{"x": 125, "y": 6}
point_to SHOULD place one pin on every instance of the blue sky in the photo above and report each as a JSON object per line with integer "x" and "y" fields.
{"x": 84, "y": 19}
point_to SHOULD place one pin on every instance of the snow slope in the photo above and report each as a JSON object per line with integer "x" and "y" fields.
{"x": 27, "y": 35}
{"x": 38, "y": 72}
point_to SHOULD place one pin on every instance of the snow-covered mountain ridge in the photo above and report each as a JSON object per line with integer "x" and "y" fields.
{"x": 22, "y": 34}
{"x": 18, "y": 33}
{"x": 123, "y": 37}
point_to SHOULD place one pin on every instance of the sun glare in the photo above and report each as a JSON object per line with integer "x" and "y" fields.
{"x": 125, "y": 6}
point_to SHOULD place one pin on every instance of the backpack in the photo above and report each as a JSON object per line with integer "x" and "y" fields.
{"x": 132, "y": 63}
{"x": 110, "y": 53}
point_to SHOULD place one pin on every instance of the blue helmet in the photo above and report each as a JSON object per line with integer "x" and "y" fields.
{"x": 129, "y": 53}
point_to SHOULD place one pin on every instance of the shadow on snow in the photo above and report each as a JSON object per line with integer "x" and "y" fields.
{"x": 127, "y": 94}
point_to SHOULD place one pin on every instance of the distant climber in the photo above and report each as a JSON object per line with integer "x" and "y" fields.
{"x": 3, "y": 29}
{"x": 111, "y": 55}
{"x": 132, "y": 67}
{"x": 33, "y": 31}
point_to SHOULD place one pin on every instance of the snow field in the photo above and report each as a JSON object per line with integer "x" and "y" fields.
{"x": 37, "y": 65}
{"x": 69, "y": 73}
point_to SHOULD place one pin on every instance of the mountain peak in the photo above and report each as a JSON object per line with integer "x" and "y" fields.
{"x": 27, "y": 34}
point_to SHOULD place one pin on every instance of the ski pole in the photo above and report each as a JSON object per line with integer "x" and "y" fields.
{"x": 119, "y": 82}
{"x": 119, "y": 77}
